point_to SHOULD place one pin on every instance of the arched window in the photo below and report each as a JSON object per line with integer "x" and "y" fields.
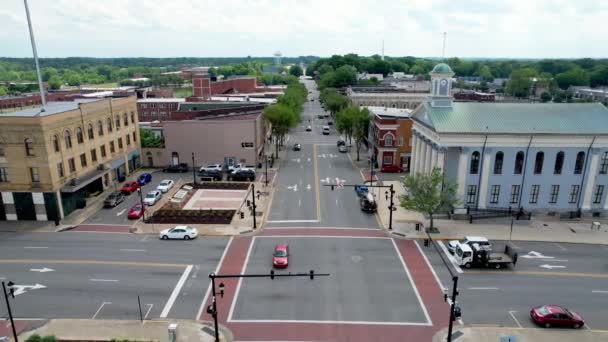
{"x": 388, "y": 140}
{"x": 519, "y": 163}
{"x": 538, "y": 163}
{"x": 56, "y": 143}
{"x": 559, "y": 163}
{"x": 29, "y": 147}
{"x": 90, "y": 132}
{"x": 79, "y": 136}
{"x": 580, "y": 161}
{"x": 125, "y": 119}
{"x": 117, "y": 122}
{"x": 99, "y": 128}
{"x": 67, "y": 139}
{"x": 474, "y": 168}
{"x": 132, "y": 117}
{"x": 498, "y": 162}
{"x": 109, "y": 125}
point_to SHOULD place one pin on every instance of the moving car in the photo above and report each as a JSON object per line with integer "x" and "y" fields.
{"x": 135, "y": 212}
{"x": 211, "y": 173}
{"x": 325, "y": 130}
{"x": 340, "y": 142}
{"x": 180, "y": 168}
{"x": 320, "y": 116}
{"x": 330, "y": 123}
{"x": 280, "y": 257}
{"x": 361, "y": 190}
{"x": 152, "y": 197}
{"x": 556, "y": 316}
{"x": 390, "y": 168}
{"x": 165, "y": 185}
{"x": 144, "y": 179}
{"x": 368, "y": 203}
{"x": 179, "y": 232}
{"x": 129, "y": 187}
{"x": 242, "y": 175}
{"x": 308, "y": 128}
{"x": 470, "y": 240}
{"x": 114, "y": 199}
{"x": 297, "y": 147}
{"x": 342, "y": 148}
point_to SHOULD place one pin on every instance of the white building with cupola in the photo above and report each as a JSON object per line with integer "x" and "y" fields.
{"x": 541, "y": 157}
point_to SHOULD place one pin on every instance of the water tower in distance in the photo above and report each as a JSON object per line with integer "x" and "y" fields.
{"x": 277, "y": 58}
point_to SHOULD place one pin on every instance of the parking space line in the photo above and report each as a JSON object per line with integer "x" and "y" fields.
{"x": 100, "y": 307}
{"x": 35, "y": 247}
{"x": 443, "y": 288}
{"x": 409, "y": 276}
{"x": 339, "y": 228}
{"x": 217, "y": 269}
{"x": 89, "y": 262}
{"x": 238, "y": 287}
{"x": 132, "y": 250}
{"x": 175, "y": 293}
{"x": 148, "y": 312}
{"x": 450, "y": 257}
{"x": 292, "y": 221}
{"x": 515, "y": 319}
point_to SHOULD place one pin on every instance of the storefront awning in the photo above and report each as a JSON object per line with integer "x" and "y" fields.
{"x": 80, "y": 182}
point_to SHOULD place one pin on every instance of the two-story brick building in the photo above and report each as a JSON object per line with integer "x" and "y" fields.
{"x": 390, "y": 136}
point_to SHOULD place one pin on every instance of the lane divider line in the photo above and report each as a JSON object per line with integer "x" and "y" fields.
{"x": 175, "y": 293}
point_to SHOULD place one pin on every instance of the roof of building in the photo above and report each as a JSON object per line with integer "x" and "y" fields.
{"x": 516, "y": 118}
{"x": 161, "y": 99}
{"x": 390, "y": 112}
{"x": 442, "y": 68}
{"x": 51, "y": 108}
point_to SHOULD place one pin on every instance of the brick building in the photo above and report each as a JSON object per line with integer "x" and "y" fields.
{"x": 390, "y": 136}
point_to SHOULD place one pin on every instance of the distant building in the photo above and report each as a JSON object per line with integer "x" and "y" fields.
{"x": 385, "y": 96}
{"x": 390, "y": 136}
{"x": 593, "y": 94}
{"x": 473, "y": 96}
{"x": 366, "y": 76}
{"x": 151, "y": 109}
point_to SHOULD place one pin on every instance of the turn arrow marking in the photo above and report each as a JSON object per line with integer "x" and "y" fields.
{"x": 549, "y": 267}
{"x": 42, "y": 270}
{"x": 21, "y": 289}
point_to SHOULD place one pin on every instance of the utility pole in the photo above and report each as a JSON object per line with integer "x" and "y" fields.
{"x": 33, "y": 41}
{"x": 193, "y": 169}
{"x": 8, "y": 306}
{"x": 453, "y": 306}
{"x": 266, "y": 170}
{"x": 143, "y": 207}
{"x": 253, "y": 204}
{"x": 390, "y": 210}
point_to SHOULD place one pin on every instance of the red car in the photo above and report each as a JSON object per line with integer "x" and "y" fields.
{"x": 556, "y": 316}
{"x": 129, "y": 187}
{"x": 280, "y": 256}
{"x": 136, "y": 212}
{"x": 391, "y": 168}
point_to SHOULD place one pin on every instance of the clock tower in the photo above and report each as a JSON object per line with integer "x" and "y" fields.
{"x": 441, "y": 86}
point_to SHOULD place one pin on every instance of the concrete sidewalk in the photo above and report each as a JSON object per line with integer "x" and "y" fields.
{"x": 477, "y": 334}
{"x": 106, "y": 330}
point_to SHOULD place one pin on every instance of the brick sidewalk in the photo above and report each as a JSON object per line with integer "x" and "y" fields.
{"x": 475, "y": 334}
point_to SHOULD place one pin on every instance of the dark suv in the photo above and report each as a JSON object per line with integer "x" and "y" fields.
{"x": 215, "y": 174}
{"x": 181, "y": 168}
{"x": 243, "y": 175}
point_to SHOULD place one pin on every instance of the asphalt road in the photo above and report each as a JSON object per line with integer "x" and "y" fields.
{"x": 505, "y": 297}
{"x": 89, "y": 269}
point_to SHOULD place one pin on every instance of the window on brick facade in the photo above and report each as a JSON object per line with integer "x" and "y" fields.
{"x": 471, "y": 194}
{"x": 102, "y": 150}
{"x": 79, "y": 136}
{"x": 597, "y": 196}
{"x": 604, "y": 165}
{"x": 125, "y": 119}
{"x": 120, "y": 143}
{"x": 71, "y": 165}
{"x": 554, "y": 194}
{"x": 93, "y": 155}
{"x": 90, "y": 132}
{"x": 134, "y": 137}
{"x": 117, "y": 123}
{"x": 400, "y": 140}
{"x": 112, "y": 149}
{"x": 388, "y": 140}
{"x": 128, "y": 138}
{"x": 574, "y": 189}
{"x": 559, "y": 163}
{"x": 494, "y": 194}
{"x": 109, "y": 125}
{"x": 3, "y": 174}
{"x": 83, "y": 160}
{"x": 56, "y": 143}
{"x": 35, "y": 174}
{"x": 498, "y": 163}
{"x": 132, "y": 117}
{"x": 99, "y": 128}
{"x": 534, "y": 193}
{"x": 60, "y": 169}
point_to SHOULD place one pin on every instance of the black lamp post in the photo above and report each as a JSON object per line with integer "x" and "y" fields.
{"x": 143, "y": 207}
{"x": 391, "y": 207}
{"x": 8, "y": 305}
{"x": 266, "y": 171}
{"x": 193, "y": 170}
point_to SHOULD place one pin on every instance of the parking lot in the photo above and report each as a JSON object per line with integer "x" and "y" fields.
{"x": 367, "y": 277}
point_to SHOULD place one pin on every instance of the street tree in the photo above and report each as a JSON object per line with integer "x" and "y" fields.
{"x": 295, "y": 70}
{"x": 428, "y": 193}
{"x": 281, "y": 119}
{"x": 150, "y": 140}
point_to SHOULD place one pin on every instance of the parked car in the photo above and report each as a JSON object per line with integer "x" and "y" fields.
{"x": 114, "y": 199}
{"x": 177, "y": 168}
{"x": 280, "y": 257}
{"x": 129, "y": 187}
{"x": 240, "y": 166}
{"x": 135, "y": 212}
{"x": 243, "y": 175}
{"x": 470, "y": 240}
{"x": 556, "y": 316}
{"x": 152, "y": 197}
{"x": 368, "y": 203}
{"x": 340, "y": 142}
{"x": 211, "y": 173}
{"x": 390, "y": 168}
{"x": 179, "y": 232}
{"x": 218, "y": 167}
{"x": 165, "y": 185}
{"x": 144, "y": 179}
{"x": 297, "y": 147}
{"x": 342, "y": 149}
{"x": 308, "y": 128}
{"x": 325, "y": 130}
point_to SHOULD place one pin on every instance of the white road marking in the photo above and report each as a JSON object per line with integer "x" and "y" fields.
{"x": 292, "y": 221}
{"x": 42, "y": 270}
{"x": 484, "y": 288}
{"x": 238, "y": 287}
{"x": 339, "y": 228}
{"x": 176, "y": 290}
{"x": 560, "y": 247}
{"x": 325, "y": 322}
{"x": 35, "y": 247}
{"x": 217, "y": 269}
{"x": 536, "y": 255}
{"x": 549, "y": 267}
{"x": 599, "y": 291}
{"x": 556, "y": 260}
{"x": 104, "y": 280}
{"x": 299, "y": 203}
{"x": 121, "y": 212}
{"x": 450, "y": 257}
{"x": 336, "y": 201}
{"x": 2, "y": 278}
{"x": 21, "y": 289}
{"x": 100, "y": 307}
{"x": 132, "y": 250}
{"x": 148, "y": 312}
{"x": 308, "y": 187}
{"x": 430, "y": 267}
{"x": 515, "y": 319}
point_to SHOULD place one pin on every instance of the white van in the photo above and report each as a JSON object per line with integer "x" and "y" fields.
{"x": 325, "y": 130}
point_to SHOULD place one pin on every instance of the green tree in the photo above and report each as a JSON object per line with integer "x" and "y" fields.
{"x": 520, "y": 82}
{"x": 485, "y": 73}
{"x": 281, "y": 119}
{"x": 545, "y": 97}
{"x": 573, "y": 77}
{"x": 3, "y": 91}
{"x": 345, "y": 122}
{"x": 325, "y": 68}
{"x": 150, "y": 140}
{"x": 48, "y": 73}
{"x": 599, "y": 76}
{"x": 335, "y": 102}
{"x": 361, "y": 120}
{"x": 295, "y": 70}
{"x": 55, "y": 82}
{"x": 428, "y": 193}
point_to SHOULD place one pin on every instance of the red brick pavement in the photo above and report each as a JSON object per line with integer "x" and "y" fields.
{"x": 6, "y": 330}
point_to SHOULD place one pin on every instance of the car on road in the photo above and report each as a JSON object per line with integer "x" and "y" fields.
{"x": 556, "y": 316}
{"x": 177, "y": 168}
{"x": 211, "y": 173}
{"x": 114, "y": 199}
{"x": 361, "y": 190}
{"x": 390, "y": 168}
{"x": 342, "y": 149}
{"x": 340, "y": 142}
{"x": 129, "y": 187}
{"x": 144, "y": 179}
{"x": 308, "y": 128}
{"x": 179, "y": 232}
{"x": 242, "y": 175}
{"x": 368, "y": 203}
{"x": 152, "y": 197}
{"x": 240, "y": 166}
{"x": 135, "y": 212}
{"x": 297, "y": 147}
{"x": 218, "y": 167}
{"x": 330, "y": 123}
{"x": 320, "y": 116}
{"x": 325, "y": 130}
{"x": 280, "y": 257}
{"x": 470, "y": 240}
{"x": 165, "y": 185}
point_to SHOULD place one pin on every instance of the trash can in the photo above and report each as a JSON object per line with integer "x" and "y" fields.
{"x": 172, "y": 332}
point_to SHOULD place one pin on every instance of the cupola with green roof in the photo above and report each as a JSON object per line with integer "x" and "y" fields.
{"x": 441, "y": 85}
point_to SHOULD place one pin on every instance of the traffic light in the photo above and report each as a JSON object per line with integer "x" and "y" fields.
{"x": 426, "y": 242}
{"x": 332, "y": 188}
{"x": 249, "y": 203}
{"x": 312, "y": 274}
{"x": 242, "y": 215}
{"x": 210, "y": 310}
{"x": 271, "y": 274}
{"x": 457, "y": 312}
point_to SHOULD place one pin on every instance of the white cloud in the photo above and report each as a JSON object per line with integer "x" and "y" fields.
{"x": 511, "y": 28}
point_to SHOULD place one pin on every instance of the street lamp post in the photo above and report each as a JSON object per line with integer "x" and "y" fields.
{"x": 266, "y": 172}
{"x": 253, "y": 205}
{"x": 8, "y": 306}
{"x": 193, "y": 170}
{"x": 390, "y": 208}
{"x": 143, "y": 207}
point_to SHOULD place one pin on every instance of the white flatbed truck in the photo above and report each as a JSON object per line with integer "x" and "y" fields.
{"x": 468, "y": 256}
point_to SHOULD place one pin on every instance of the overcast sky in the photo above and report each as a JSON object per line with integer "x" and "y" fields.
{"x": 200, "y": 28}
